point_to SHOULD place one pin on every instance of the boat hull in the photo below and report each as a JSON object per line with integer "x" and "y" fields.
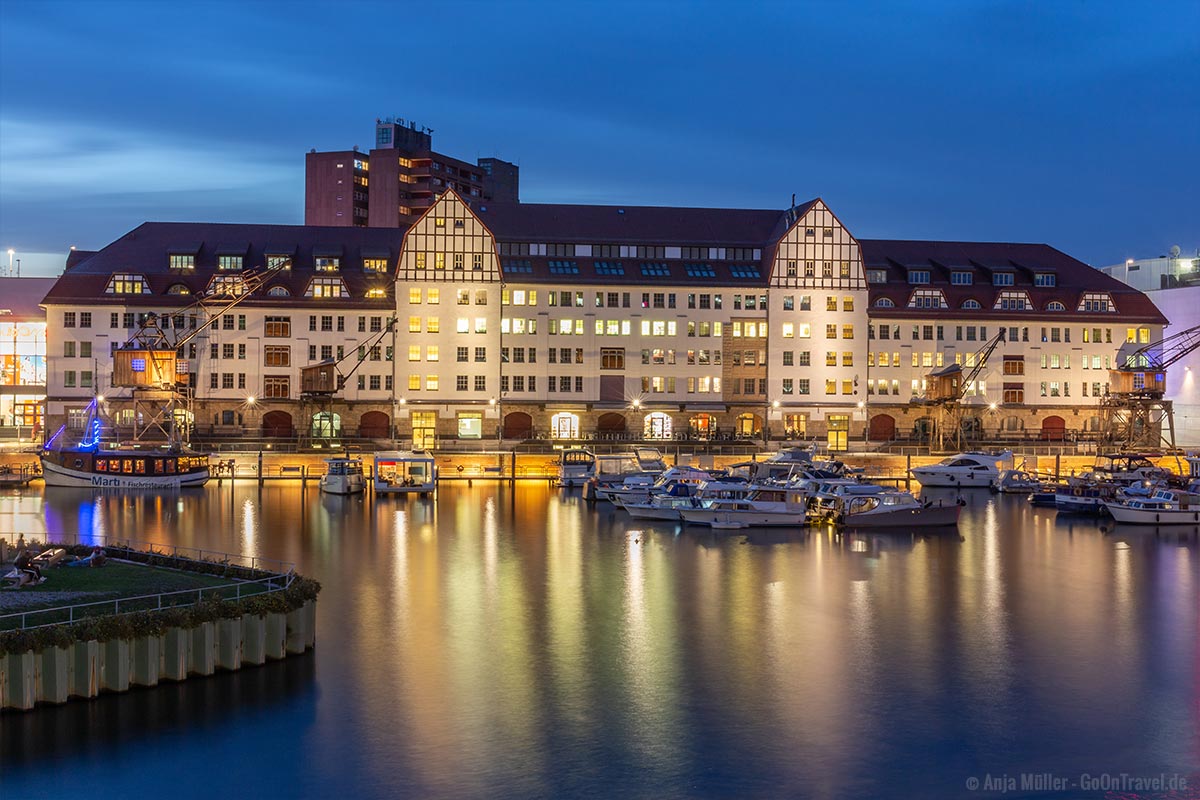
{"x": 736, "y": 519}
{"x": 342, "y": 484}
{"x": 926, "y": 517}
{"x": 383, "y": 487}
{"x": 58, "y": 475}
{"x": 938, "y": 479}
{"x": 1147, "y": 516}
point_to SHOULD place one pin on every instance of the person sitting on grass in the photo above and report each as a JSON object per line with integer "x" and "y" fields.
{"x": 24, "y": 564}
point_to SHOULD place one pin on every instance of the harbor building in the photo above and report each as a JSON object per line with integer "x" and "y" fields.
{"x": 395, "y": 182}
{"x": 512, "y": 321}
{"x": 22, "y": 356}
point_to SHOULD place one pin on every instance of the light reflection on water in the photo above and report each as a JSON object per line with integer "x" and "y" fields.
{"x": 515, "y": 641}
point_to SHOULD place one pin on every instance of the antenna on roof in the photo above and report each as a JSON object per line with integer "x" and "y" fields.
{"x": 1175, "y": 251}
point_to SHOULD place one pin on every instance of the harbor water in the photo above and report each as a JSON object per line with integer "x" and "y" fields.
{"x": 513, "y": 641}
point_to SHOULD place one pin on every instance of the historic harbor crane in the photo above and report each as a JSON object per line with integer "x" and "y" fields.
{"x": 153, "y": 362}
{"x": 946, "y": 388}
{"x": 321, "y": 382}
{"x": 1133, "y": 413}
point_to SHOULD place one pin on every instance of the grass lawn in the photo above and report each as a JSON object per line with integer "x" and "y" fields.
{"x": 115, "y": 580}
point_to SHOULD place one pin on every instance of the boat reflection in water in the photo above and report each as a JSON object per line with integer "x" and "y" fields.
{"x": 515, "y": 641}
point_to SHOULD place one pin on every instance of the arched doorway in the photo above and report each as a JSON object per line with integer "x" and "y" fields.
{"x": 375, "y": 425}
{"x": 882, "y": 428}
{"x": 1012, "y": 424}
{"x": 518, "y": 425}
{"x": 922, "y": 428}
{"x": 657, "y": 426}
{"x": 564, "y": 426}
{"x": 610, "y": 425}
{"x": 702, "y": 426}
{"x": 326, "y": 425}
{"x": 1054, "y": 429}
{"x": 277, "y": 425}
{"x": 748, "y": 425}
{"x": 972, "y": 429}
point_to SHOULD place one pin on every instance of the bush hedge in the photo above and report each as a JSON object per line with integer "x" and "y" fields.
{"x": 156, "y": 623}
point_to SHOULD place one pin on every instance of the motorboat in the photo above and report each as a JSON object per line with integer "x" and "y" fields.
{"x": 1016, "y": 481}
{"x": 639, "y": 488}
{"x": 1045, "y": 495}
{"x": 343, "y": 476}
{"x": 1164, "y": 507}
{"x": 826, "y": 496}
{"x": 894, "y": 509}
{"x": 405, "y": 472}
{"x": 1127, "y": 468}
{"x": 965, "y": 470}
{"x": 763, "y": 507}
{"x": 661, "y": 506}
{"x": 787, "y": 464}
{"x": 575, "y": 467}
{"x": 1084, "y": 496}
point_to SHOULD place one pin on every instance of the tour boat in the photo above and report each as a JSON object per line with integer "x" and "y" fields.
{"x": 343, "y": 476}
{"x": 1162, "y": 508}
{"x": 90, "y": 465}
{"x": 762, "y": 507}
{"x": 403, "y": 472}
{"x": 893, "y": 509}
{"x": 965, "y": 470}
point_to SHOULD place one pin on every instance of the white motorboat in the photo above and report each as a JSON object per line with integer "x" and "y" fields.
{"x": 343, "y": 476}
{"x": 1164, "y": 507}
{"x": 575, "y": 467}
{"x": 764, "y": 506}
{"x": 824, "y": 494}
{"x": 1127, "y": 468}
{"x": 404, "y": 472}
{"x": 893, "y": 509}
{"x": 661, "y": 506}
{"x": 965, "y": 470}
{"x": 641, "y": 487}
{"x": 1016, "y": 481}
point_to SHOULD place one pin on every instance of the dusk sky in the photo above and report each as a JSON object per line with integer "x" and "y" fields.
{"x": 1070, "y": 123}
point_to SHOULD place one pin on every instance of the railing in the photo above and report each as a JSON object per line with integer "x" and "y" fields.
{"x": 280, "y": 577}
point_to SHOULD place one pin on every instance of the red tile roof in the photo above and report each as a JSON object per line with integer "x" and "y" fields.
{"x": 1072, "y": 279}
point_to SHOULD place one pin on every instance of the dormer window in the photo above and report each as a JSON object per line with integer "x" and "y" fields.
{"x": 1096, "y": 301}
{"x": 1045, "y": 279}
{"x": 178, "y": 289}
{"x": 962, "y": 278}
{"x": 182, "y": 261}
{"x": 1012, "y": 301}
{"x": 927, "y": 298}
{"x": 918, "y": 276}
{"x": 127, "y": 283}
{"x": 326, "y": 287}
{"x": 884, "y": 302}
{"x": 877, "y": 276}
{"x": 278, "y": 291}
{"x": 278, "y": 261}
{"x": 1054, "y": 305}
{"x": 1003, "y": 279}
{"x": 377, "y": 293}
{"x": 327, "y": 264}
{"x": 375, "y": 265}
{"x": 227, "y": 285}
{"x": 229, "y": 263}
{"x": 972, "y": 305}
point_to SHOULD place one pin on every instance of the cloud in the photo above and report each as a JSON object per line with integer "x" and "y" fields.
{"x": 39, "y": 160}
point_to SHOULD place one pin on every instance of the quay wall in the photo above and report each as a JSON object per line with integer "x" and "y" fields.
{"x": 85, "y": 669}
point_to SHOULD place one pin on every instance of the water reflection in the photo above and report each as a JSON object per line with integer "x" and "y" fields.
{"x": 516, "y": 641}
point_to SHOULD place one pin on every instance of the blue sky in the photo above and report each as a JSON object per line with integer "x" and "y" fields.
{"x": 1073, "y": 123}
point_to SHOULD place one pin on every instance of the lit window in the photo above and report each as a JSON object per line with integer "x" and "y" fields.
{"x": 375, "y": 265}
{"x": 326, "y": 287}
{"x": 327, "y": 264}
{"x": 127, "y": 283}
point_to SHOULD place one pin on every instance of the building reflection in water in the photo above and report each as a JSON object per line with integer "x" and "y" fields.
{"x": 515, "y": 637}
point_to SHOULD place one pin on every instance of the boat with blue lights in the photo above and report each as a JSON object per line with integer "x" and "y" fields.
{"x": 89, "y": 465}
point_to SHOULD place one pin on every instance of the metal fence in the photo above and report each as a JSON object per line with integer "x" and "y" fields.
{"x": 281, "y": 576}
